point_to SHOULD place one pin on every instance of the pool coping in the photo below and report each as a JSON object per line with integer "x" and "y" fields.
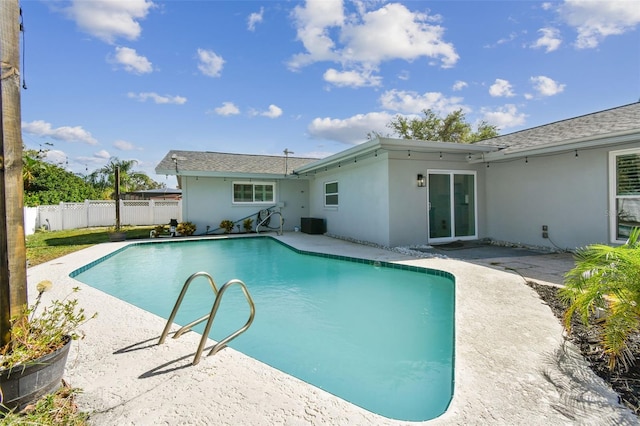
{"x": 512, "y": 365}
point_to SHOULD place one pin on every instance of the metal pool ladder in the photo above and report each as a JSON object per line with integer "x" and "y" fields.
{"x": 209, "y": 317}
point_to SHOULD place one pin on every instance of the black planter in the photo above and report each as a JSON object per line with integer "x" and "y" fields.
{"x": 25, "y": 384}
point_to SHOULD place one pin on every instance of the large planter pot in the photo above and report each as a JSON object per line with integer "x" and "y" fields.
{"x": 25, "y": 384}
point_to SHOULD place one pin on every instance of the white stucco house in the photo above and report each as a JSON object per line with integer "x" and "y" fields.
{"x": 565, "y": 185}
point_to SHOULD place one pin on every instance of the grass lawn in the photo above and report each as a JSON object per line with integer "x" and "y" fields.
{"x": 45, "y": 246}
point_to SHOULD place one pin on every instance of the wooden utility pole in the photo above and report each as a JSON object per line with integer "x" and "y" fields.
{"x": 13, "y": 258}
{"x": 117, "y": 197}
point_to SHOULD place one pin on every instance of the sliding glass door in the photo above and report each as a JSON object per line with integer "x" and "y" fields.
{"x": 451, "y": 205}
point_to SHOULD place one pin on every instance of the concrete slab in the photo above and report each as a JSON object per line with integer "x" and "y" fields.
{"x": 512, "y": 364}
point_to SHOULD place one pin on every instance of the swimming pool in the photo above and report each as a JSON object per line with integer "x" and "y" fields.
{"x": 377, "y": 335}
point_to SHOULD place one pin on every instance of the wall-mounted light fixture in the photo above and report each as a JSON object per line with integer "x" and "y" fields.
{"x": 420, "y": 180}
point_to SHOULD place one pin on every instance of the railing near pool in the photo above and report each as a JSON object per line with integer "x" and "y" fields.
{"x": 268, "y": 218}
{"x": 209, "y": 317}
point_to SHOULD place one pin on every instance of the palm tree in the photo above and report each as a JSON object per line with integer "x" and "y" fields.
{"x": 607, "y": 278}
{"x": 130, "y": 180}
{"x": 31, "y": 166}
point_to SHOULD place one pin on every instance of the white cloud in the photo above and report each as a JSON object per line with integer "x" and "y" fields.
{"x": 459, "y": 85}
{"x": 131, "y": 61}
{"x": 102, "y": 155}
{"x": 227, "y": 108}
{"x": 596, "y": 20}
{"x": 368, "y": 37}
{"x": 109, "y": 19}
{"x": 210, "y": 63}
{"x": 546, "y": 86}
{"x": 413, "y": 103}
{"x": 351, "y": 78}
{"x": 501, "y": 88}
{"x": 504, "y": 117}
{"x": 352, "y": 130}
{"x": 65, "y": 133}
{"x": 124, "y": 145}
{"x": 55, "y": 156}
{"x": 313, "y": 21}
{"x": 159, "y": 99}
{"x": 272, "y": 112}
{"x": 394, "y": 32}
{"x": 549, "y": 40}
{"x": 511, "y": 37}
{"x": 98, "y": 159}
{"x": 255, "y": 18}
{"x": 404, "y": 75}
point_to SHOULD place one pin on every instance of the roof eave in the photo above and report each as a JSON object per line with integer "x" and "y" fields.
{"x": 391, "y": 144}
{"x": 618, "y": 138}
{"x": 230, "y": 175}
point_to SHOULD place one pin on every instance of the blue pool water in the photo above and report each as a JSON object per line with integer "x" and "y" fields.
{"x": 377, "y": 335}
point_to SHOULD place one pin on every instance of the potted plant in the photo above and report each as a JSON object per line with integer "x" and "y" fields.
{"x": 186, "y": 228}
{"x": 247, "y": 224}
{"x": 157, "y": 231}
{"x": 227, "y": 225}
{"x": 32, "y": 362}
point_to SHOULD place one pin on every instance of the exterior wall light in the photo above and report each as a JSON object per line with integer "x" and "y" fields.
{"x": 421, "y": 181}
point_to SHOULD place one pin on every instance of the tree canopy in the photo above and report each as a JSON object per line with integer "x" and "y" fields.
{"x": 130, "y": 180}
{"x": 431, "y": 127}
{"x": 46, "y": 183}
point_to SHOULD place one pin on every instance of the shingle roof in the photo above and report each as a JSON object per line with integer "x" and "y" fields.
{"x": 597, "y": 124}
{"x": 220, "y": 162}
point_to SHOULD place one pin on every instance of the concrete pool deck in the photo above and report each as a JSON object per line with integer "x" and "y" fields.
{"x": 512, "y": 365}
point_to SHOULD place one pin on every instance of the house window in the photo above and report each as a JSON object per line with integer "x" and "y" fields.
{"x": 625, "y": 201}
{"x": 250, "y": 192}
{"x": 331, "y": 194}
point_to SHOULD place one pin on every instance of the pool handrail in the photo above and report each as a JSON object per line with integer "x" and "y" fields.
{"x": 214, "y": 309}
{"x": 266, "y": 219}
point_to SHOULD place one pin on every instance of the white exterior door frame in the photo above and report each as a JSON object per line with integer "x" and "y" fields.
{"x": 451, "y": 205}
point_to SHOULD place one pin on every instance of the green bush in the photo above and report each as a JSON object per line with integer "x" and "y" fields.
{"x": 227, "y": 225}
{"x": 186, "y": 228}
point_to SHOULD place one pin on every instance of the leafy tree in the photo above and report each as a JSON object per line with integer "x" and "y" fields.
{"x": 607, "y": 278}
{"x": 32, "y": 163}
{"x": 431, "y": 127}
{"x": 130, "y": 180}
{"x": 46, "y": 183}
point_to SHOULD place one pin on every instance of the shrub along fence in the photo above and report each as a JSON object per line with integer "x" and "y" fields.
{"x": 101, "y": 213}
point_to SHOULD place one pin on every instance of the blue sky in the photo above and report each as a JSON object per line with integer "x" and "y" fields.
{"x": 134, "y": 79}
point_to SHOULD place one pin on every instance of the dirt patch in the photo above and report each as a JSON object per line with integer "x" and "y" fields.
{"x": 625, "y": 382}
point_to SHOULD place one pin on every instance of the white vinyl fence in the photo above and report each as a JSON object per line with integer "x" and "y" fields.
{"x": 101, "y": 213}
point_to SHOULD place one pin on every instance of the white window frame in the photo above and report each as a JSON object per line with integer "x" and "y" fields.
{"x": 613, "y": 193}
{"x": 253, "y": 192}
{"x": 337, "y": 194}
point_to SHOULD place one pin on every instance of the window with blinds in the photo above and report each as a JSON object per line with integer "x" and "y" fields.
{"x": 249, "y": 192}
{"x": 627, "y": 193}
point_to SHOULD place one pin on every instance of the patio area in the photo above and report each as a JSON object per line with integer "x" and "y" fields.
{"x": 512, "y": 365}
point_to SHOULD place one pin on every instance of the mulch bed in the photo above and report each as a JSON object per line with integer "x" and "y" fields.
{"x": 625, "y": 382}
